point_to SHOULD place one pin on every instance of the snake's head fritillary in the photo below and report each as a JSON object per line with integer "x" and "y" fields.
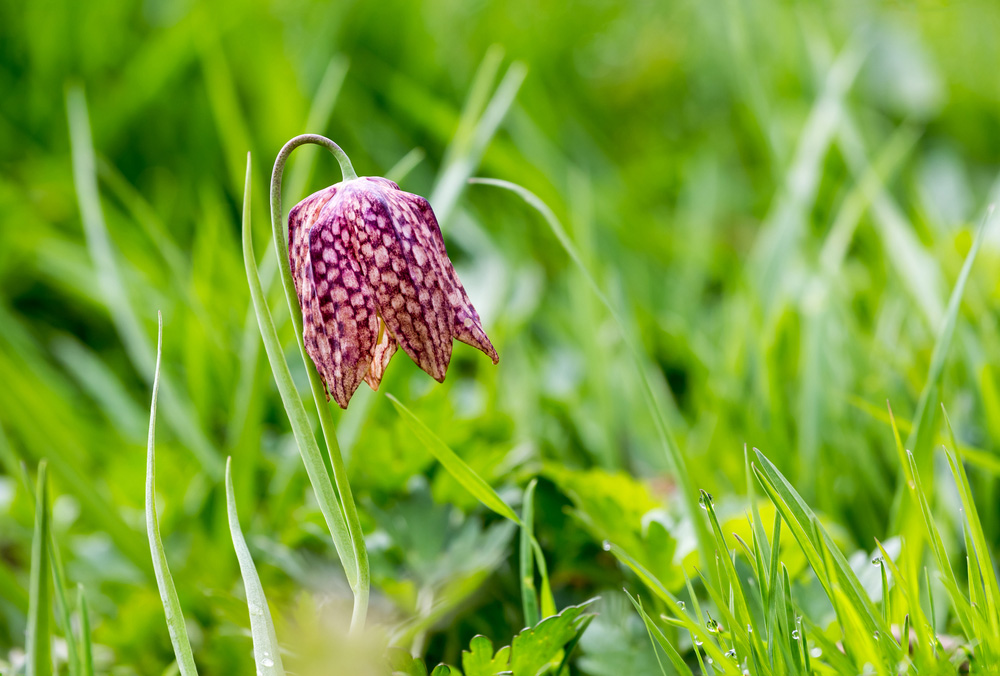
{"x": 371, "y": 273}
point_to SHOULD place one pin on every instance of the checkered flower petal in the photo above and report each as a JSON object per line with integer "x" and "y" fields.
{"x": 372, "y": 274}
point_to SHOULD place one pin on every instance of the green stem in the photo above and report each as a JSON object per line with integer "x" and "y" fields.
{"x": 318, "y": 391}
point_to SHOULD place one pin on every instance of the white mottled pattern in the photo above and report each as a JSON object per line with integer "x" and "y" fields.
{"x": 371, "y": 272}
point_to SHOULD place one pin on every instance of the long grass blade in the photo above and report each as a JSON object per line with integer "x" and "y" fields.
{"x": 86, "y": 645}
{"x": 529, "y": 596}
{"x": 298, "y": 419}
{"x": 164, "y": 581}
{"x": 266, "y": 651}
{"x": 177, "y": 410}
{"x": 38, "y": 638}
{"x": 672, "y": 450}
{"x": 457, "y": 467}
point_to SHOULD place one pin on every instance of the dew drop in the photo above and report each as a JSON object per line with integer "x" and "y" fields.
{"x": 680, "y": 604}
{"x": 876, "y": 636}
{"x": 749, "y": 629}
{"x": 267, "y": 662}
{"x": 606, "y": 545}
{"x": 795, "y": 634}
{"x": 731, "y": 653}
{"x": 877, "y": 561}
{"x": 706, "y": 500}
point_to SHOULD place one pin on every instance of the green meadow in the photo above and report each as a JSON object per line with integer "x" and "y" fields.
{"x": 740, "y": 264}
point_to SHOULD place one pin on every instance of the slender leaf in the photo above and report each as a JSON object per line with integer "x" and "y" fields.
{"x": 38, "y": 639}
{"x": 164, "y": 581}
{"x": 266, "y": 652}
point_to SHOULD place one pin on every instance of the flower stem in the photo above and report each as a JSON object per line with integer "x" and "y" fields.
{"x": 361, "y": 588}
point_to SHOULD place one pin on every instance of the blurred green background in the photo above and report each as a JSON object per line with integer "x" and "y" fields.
{"x": 776, "y": 197}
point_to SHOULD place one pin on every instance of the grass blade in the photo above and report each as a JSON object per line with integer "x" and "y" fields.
{"x": 657, "y": 637}
{"x": 297, "y": 417}
{"x": 673, "y": 452}
{"x": 164, "y": 581}
{"x": 267, "y": 656}
{"x": 177, "y": 410}
{"x": 87, "y": 662}
{"x": 462, "y": 473}
{"x": 38, "y": 639}
{"x": 529, "y": 597}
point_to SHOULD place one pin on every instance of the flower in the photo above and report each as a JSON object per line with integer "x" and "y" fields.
{"x": 371, "y": 273}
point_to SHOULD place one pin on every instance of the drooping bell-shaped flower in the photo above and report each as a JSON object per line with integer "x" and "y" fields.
{"x": 371, "y": 273}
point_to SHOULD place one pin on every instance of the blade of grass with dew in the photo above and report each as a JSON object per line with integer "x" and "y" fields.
{"x": 87, "y": 652}
{"x": 455, "y": 466}
{"x": 38, "y": 639}
{"x": 178, "y": 412}
{"x": 164, "y": 581}
{"x": 695, "y": 627}
{"x": 657, "y": 637}
{"x": 991, "y": 606}
{"x": 815, "y": 540}
{"x": 266, "y": 652}
{"x": 673, "y": 452}
{"x": 905, "y": 519}
{"x": 963, "y": 610}
{"x": 298, "y": 419}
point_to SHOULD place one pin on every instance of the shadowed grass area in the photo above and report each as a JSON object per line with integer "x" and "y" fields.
{"x": 766, "y": 226}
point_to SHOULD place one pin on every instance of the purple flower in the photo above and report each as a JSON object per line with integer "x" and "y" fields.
{"x": 371, "y": 273}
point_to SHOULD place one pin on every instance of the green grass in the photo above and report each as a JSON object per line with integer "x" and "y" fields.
{"x": 725, "y": 226}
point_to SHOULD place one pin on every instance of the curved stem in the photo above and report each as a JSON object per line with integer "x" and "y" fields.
{"x": 319, "y": 393}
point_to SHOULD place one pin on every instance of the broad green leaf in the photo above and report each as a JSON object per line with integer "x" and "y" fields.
{"x": 266, "y": 651}
{"x": 479, "y": 659}
{"x": 536, "y": 646}
{"x": 405, "y": 664}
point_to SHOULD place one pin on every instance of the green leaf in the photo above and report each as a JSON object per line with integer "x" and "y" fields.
{"x": 981, "y": 550}
{"x": 817, "y": 543}
{"x": 659, "y": 639}
{"x": 164, "y": 581}
{"x": 656, "y": 408}
{"x": 38, "y": 638}
{"x": 266, "y": 652}
{"x": 178, "y": 410}
{"x": 529, "y": 597}
{"x": 316, "y": 469}
{"x": 479, "y": 659}
{"x": 85, "y": 641}
{"x": 464, "y": 474}
{"x": 402, "y": 662}
{"x": 536, "y": 646}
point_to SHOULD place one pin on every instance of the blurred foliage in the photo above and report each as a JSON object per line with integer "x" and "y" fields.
{"x": 777, "y": 196}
